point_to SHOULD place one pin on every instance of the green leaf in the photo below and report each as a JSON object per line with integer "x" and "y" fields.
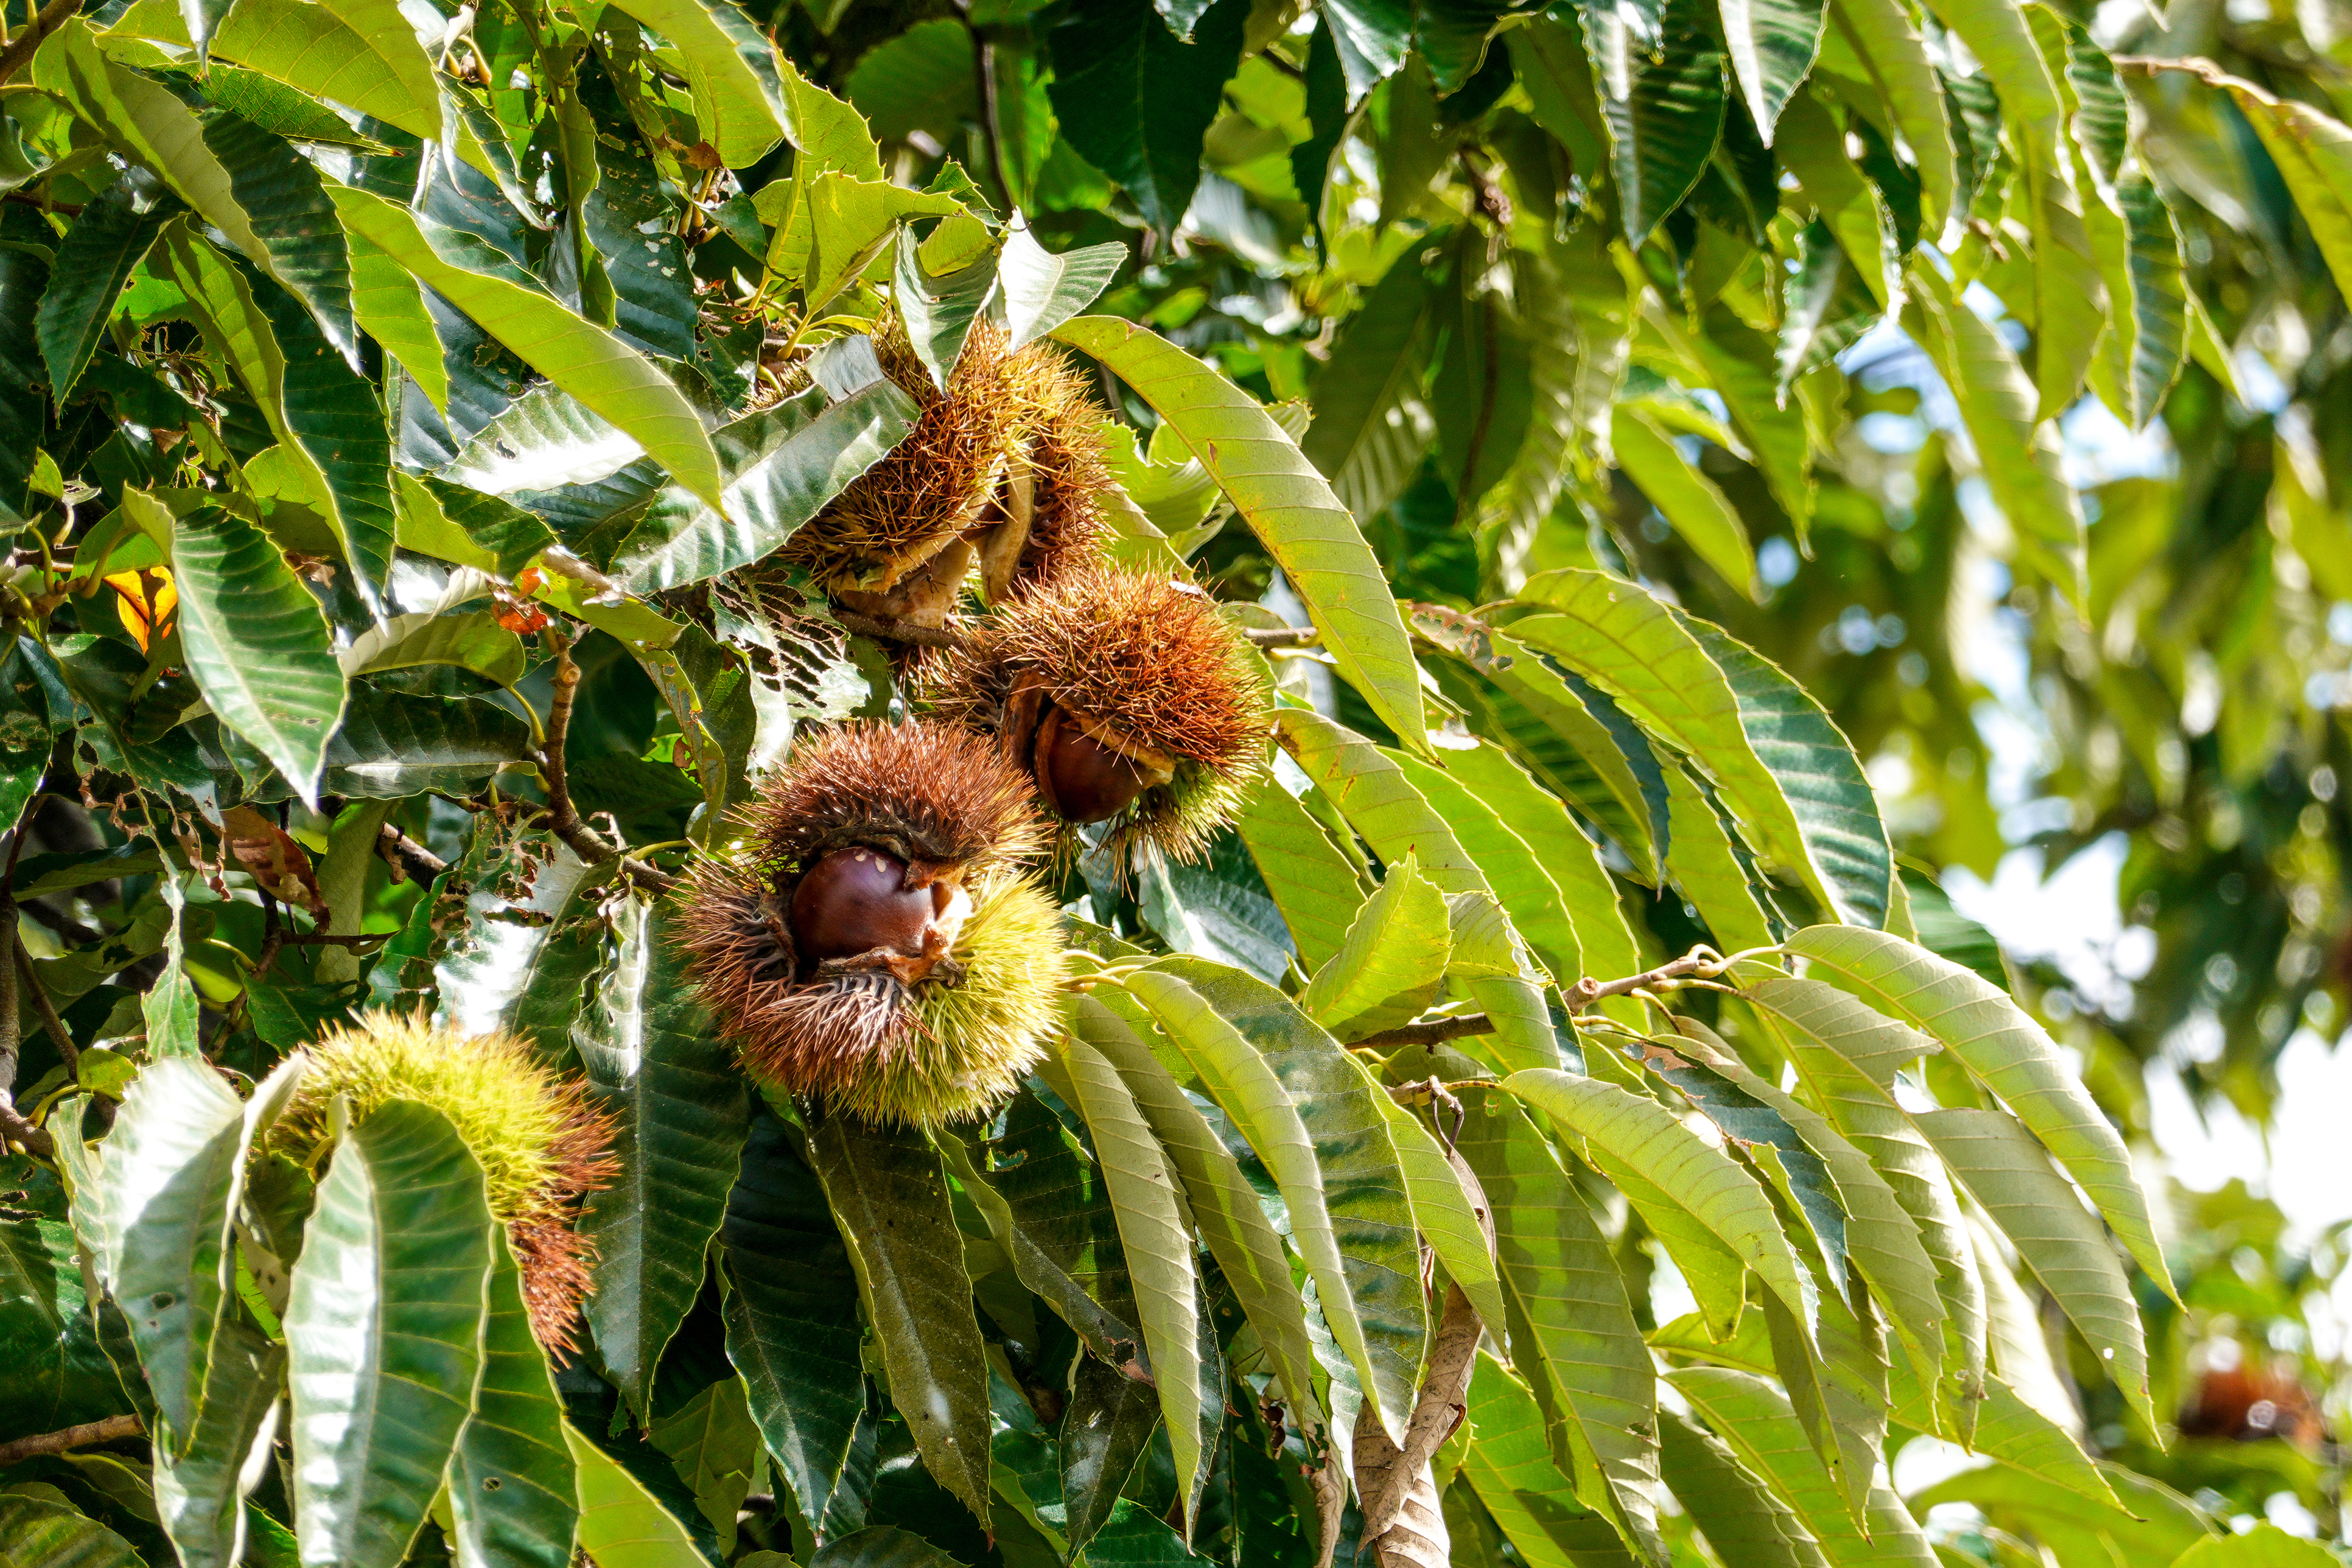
{"x": 882, "y": 1546}
{"x": 1134, "y": 102}
{"x": 142, "y": 118}
{"x": 2264, "y": 1546}
{"x": 851, "y": 221}
{"x": 1755, "y": 1421}
{"x": 2007, "y": 1429}
{"x": 512, "y": 1482}
{"x": 1884, "y": 36}
{"x": 2007, "y": 1052}
{"x": 94, "y": 261}
{"x": 2068, "y": 1251}
{"x": 1221, "y": 1201}
{"x": 1604, "y": 945}
{"x": 475, "y": 641}
{"x": 388, "y": 306}
{"x": 1041, "y": 291}
{"x": 391, "y": 745}
{"x": 1635, "y": 646}
{"x": 1105, "y": 1427}
{"x": 383, "y": 1328}
{"x": 543, "y": 440}
{"x": 1286, "y": 503}
{"x": 1159, "y": 1259}
{"x": 938, "y": 311}
{"x": 326, "y": 419}
{"x": 1520, "y": 879}
{"x": 1395, "y": 951}
{"x": 629, "y": 222}
{"x": 1372, "y": 38}
{"x": 1447, "y": 1208}
{"x": 586, "y": 361}
{"x": 1772, "y": 44}
{"x": 714, "y": 1447}
{"x": 1293, "y": 1093}
{"x": 782, "y": 465}
{"x": 681, "y": 1115}
{"x": 1370, "y": 788}
{"x": 1567, "y": 1308}
{"x": 39, "y": 1533}
{"x": 1312, "y": 881}
{"x": 622, "y": 1525}
{"x": 356, "y": 53}
{"x": 283, "y": 194}
{"x": 1684, "y": 494}
{"x": 1846, "y": 1056}
{"x": 1638, "y": 1133}
{"x": 1373, "y": 422}
{"x": 166, "y": 1190}
{"x": 1665, "y": 112}
{"x": 201, "y": 1496}
{"x": 1882, "y": 1239}
{"x": 2018, "y": 457}
{"x": 786, "y": 1332}
{"x": 2159, "y": 297}
{"x": 890, "y": 1196}
{"x": 741, "y": 99}
{"x": 1513, "y": 1473}
{"x": 1740, "y": 1519}
{"x": 1815, "y": 766}
{"x": 53, "y": 1370}
{"x": 255, "y": 642}
{"x": 2155, "y": 1524}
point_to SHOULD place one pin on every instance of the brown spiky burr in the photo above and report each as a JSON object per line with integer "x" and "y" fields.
{"x": 871, "y": 941}
{"x": 1127, "y": 697}
{"x": 1002, "y": 473}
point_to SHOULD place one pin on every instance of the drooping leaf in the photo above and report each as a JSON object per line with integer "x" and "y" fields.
{"x": 1372, "y": 420}
{"x": 1134, "y": 101}
{"x": 201, "y": 1495}
{"x": 1685, "y": 497}
{"x": 55, "y": 1534}
{"x": 603, "y": 374}
{"x": 512, "y": 1481}
{"x": 681, "y": 1114}
{"x": 938, "y": 311}
{"x": 890, "y": 1195}
{"x": 785, "y": 1330}
{"x": 1291, "y": 1089}
{"x": 94, "y": 261}
{"x": 1629, "y": 1130}
{"x": 383, "y": 1333}
{"x": 166, "y": 1189}
{"x": 1285, "y": 503}
{"x": 256, "y": 643}
{"x": 1395, "y": 952}
{"x": 2008, "y": 1051}
{"x": 1565, "y": 1302}
{"x": 1664, "y": 113}
{"x": 622, "y": 1525}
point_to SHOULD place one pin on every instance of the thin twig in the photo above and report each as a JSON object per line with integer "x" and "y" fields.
{"x": 562, "y": 816}
{"x": 895, "y": 631}
{"x": 404, "y": 855}
{"x": 1588, "y": 991}
{"x": 113, "y": 1428}
{"x": 983, "y": 62}
{"x": 31, "y": 981}
{"x": 1283, "y": 637}
{"x": 1436, "y": 1032}
{"x": 20, "y": 49}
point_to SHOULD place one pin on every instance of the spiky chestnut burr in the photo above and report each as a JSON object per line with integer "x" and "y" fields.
{"x": 871, "y": 941}
{"x": 1127, "y": 697}
{"x": 540, "y": 1145}
{"x": 1000, "y": 472}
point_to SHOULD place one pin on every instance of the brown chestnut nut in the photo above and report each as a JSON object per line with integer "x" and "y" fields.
{"x": 1082, "y": 779}
{"x": 856, "y": 899}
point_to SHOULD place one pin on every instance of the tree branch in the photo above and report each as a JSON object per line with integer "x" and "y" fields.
{"x": 31, "y": 981}
{"x": 20, "y": 49}
{"x": 113, "y": 1428}
{"x": 404, "y": 855}
{"x": 1588, "y": 991}
{"x": 1281, "y": 636}
{"x": 563, "y": 817}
